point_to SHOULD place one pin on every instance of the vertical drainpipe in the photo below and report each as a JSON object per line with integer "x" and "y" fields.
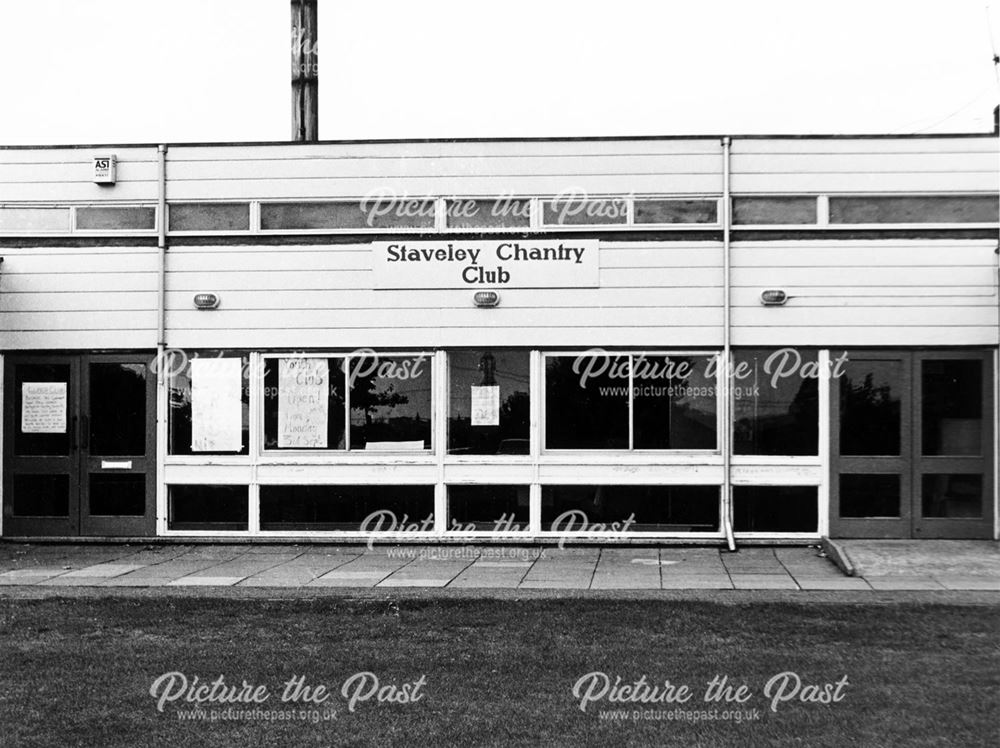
{"x": 727, "y": 441}
{"x": 161, "y": 335}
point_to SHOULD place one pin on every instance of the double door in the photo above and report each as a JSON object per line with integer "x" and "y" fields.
{"x": 912, "y": 453}
{"x": 79, "y": 445}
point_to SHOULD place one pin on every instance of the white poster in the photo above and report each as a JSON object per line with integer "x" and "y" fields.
{"x": 486, "y": 406}
{"x": 303, "y": 402}
{"x": 216, "y": 405}
{"x": 43, "y": 407}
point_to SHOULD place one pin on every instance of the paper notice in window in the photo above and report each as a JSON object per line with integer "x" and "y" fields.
{"x": 303, "y": 402}
{"x": 216, "y": 405}
{"x": 485, "y": 406}
{"x": 43, "y": 407}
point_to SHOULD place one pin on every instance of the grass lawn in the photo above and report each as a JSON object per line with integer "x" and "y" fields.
{"x": 78, "y": 671}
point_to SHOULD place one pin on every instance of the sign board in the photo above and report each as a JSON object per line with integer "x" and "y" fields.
{"x": 486, "y": 406}
{"x": 303, "y": 402}
{"x": 497, "y": 263}
{"x": 43, "y": 407}
{"x": 105, "y": 169}
{"x": 216, "y": 405}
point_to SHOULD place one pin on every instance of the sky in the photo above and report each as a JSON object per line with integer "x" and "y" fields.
{"x": 145, "y": 71}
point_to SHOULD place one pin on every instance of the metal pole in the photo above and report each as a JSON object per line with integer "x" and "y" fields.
{"x": 727, "y": 399}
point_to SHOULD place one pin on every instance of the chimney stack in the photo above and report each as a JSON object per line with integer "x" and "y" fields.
{"x": 305, "y": 72}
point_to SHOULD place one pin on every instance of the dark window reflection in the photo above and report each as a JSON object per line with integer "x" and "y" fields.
{"x": 953, "y": 495}
{"x": 775, "y": 509}
{"x": 586, "y": 402}
{"x": 870, "y": 422}
{"x": 952, "y": 407}
{"x": 869, "y": 495}
{"x": 775, "y": 415}
{"x": 118, "y": 409}
{"x": 630, "y": 508}
{"x": 208, "y": 508}
{"x": 493, "y": 508}
{"x": 390, "y": 402}
{"x": 674, "y": 403}
{"x": 347, "y": 508}
{"x": 508, "y": 370}
{"x": 117, "y": 495}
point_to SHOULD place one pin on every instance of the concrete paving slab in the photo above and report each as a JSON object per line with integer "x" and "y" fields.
{"x": 129, "y": 581}
{"x": 903, "y": 583}
{"x": 968, "y": 583}
{"x": 696, "y": 583}
{"x": 104, "y": 570}
{"x": 553, "y": 584}
{"x": 355, "y": 574}
{"x": 394, "y": 581}
{"x": 832, "y": 583}
{"x": 763, "y": 582}
{"x": 340, "y": 582}
{"x": 65, "y": 581}
{"x": 38, "y": 571}
{"x": 924, "y": 557}
{"x": 194, "y": 581}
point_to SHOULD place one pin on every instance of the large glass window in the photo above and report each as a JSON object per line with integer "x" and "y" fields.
{"x": 390, "y": 402}
{"x": 347, "y": 508}
{"x": 208, "y": 508}
{"x": 637, "y": 401}
{"x": 489, "y": 408}
{"x": 870, "y": 409}
{"x": 775, "y": 509}
{"x": 611, "y": 509}
{"x": 952, "y": 406}
{"x": 759, "y": 211}
{"x": 209, "y": 402}
{"x": 914, "y": 209}
{"x": 480, "y": 214}
{"x": 304, "y": 403}
{"x": 488, "y": 508}
{"x": 775, "y": 402}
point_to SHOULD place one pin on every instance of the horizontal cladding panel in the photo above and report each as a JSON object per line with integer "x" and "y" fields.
{"x": 95, "y": 262}
{"x": 861, "y": 163}
{"x": 488, "y": 473}
{"x": 805, "y": 146}
{"x": 854, "y": 182}
{"x": 467, "y": 317}
{"x": 453, "y": 149}
{"x": 411, "y": 166}
{"x": 82, "y": 339}
{"x": 794, "y": 315}
{"x": 83, "y": 320}
{"x": 77, "y": 282}
{"x": 863, "y": 254}
{"x": 852, "y": 277}
{"x": 63, "y": 192}
{"x": 267, "y": 280}
{"x": 81, "y": 171}
{"x": 872, "y": 335}
{"x": 566, "y": 336}
{"x": 207, "y": 474}
{"x": 515, "y": 298}
{"x": 67, "y": 301}
{"x": 321, "y": 188}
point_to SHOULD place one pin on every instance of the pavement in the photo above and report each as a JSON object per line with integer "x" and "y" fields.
{"x": 877, "y": 566}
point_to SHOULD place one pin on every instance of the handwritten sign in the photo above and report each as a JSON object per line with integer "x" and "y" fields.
{"x": 216, "y": 405}
{"x": 303, "y": 402}
{"x": 514, "y": 263}
{"x": 43, "y": 407}
{"x": 486, "y": 406}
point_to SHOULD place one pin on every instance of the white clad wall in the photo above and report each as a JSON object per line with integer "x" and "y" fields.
{"x": 845, "y": 165}
{"x": 67, "y": 175}
{"x": 321, "y": 296}
{"x": 866, "y": 292}
{"x": 445, "y": 169}
{"x": 78, "y": 297}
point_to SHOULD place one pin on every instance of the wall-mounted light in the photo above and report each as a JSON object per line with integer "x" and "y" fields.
{"x": 773, "y": 297}
{"x": 486, "y": 298}
{"x": 206, "y": 301}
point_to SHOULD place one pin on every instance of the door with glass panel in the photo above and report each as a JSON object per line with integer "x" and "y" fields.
{"x": 911, "y": 446}
{"x": 79, "y": 452}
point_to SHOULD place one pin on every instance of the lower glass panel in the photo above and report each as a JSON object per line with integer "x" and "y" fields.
{"x": 488, "y": 508}
{"x": 630, "y": 508}
{"x": 952, "y": 495}
{"x": 775, "y": 509}
{"x": 347, "y": 508}
{"x": 41, "y": 496}
{"x": 208, "y": 508}
{"x": 870, "y": 495}
{"x": 118, "y": 495}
